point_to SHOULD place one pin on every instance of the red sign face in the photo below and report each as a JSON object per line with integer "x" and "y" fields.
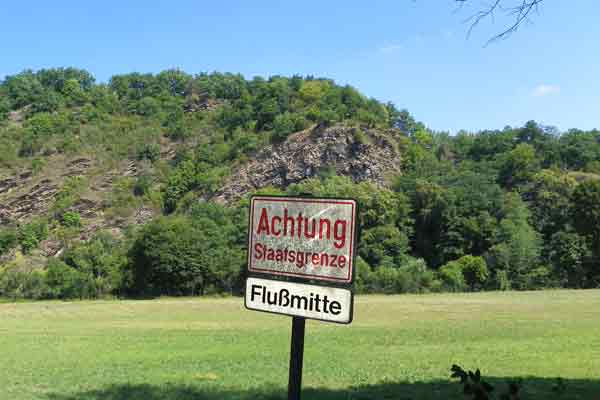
{"x": 302, "y": 237}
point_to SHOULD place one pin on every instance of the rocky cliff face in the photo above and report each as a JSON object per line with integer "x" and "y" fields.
{"x": 363, "y": 155}
{"x": 25, "y": 195}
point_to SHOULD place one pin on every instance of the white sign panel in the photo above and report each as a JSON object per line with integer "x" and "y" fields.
{"x": 302, "y": 237}
{"x": 299, "y": 300}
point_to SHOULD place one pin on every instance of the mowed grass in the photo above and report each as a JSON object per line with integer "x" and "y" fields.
{"x": 398, "y": 347}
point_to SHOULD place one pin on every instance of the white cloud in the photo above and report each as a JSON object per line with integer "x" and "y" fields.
{"x": 392, "y": 48}
{"x": 545, "y": 90}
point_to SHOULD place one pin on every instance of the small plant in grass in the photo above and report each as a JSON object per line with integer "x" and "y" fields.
{"x": 475, "y": 388}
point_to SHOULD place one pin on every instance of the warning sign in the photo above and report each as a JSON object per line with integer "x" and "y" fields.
{"x": 302, "y": 237}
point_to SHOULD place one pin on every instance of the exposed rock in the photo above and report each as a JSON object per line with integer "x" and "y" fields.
{"x": 25, "y": 175}
{"x": 7, "y": 184}
{"x": 18, "y": 116}
{"x": 168, "y": 154}
{"x": 86, "y": 208}
{"x": 51, "y": 247}
{"x": 143, "y": 215}
{"x": 80, "y": 163}
{"x": 78, "y": 167}
{"x": 35, "y": 202}
{"x": 306, "y": 153}
{"x": 90, "y": 230}
{"x": 19, "y": 179}
{"x": 31, "y": 201}
{"x": 8, "y": 256}
{"x": 5, "y": 217}
{"x": 201, "y": 103}
{"x": 131, "y": 169}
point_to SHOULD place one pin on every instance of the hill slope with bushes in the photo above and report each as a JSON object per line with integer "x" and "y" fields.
{"x": 139, "y": 186}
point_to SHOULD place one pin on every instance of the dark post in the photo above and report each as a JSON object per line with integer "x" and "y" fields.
{"x": 296, "y": 356}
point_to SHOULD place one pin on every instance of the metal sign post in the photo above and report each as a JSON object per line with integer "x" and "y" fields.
{"x": 301, "y": 256}
{"x": 296, "y": 358}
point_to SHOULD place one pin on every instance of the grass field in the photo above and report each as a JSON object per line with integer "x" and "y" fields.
{"x": 399, "y": 347}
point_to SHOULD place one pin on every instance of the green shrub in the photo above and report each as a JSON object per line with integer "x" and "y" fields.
{"x": 103, "y": 261}
{"x": 122, "y": 201}
{"x": 142, "y": 185}
{"x": 540, "y": 278}
{"x": 175, "y": 125}
{"x": 150, "y": 152}
{"x": 66, "y": 282}
{"x": 474, "y": 270}
{"x": 385, "y": 279}
{"x": 71, "y": 219}
{"x": 4, "y": 107}
{"x": 68, "y": 195}
{"x": 39, "y": 128}
{"x": 37, "y": 164}
{"x": 185, "y": 256}
{"x": 501, "y": 281}
{"x": 466, "y": 272}
{"x": 360, "y": 137}
{"x": 35, "y": 286}
{"x": 362, "y": 275}
{"x": 8, "y": 240}
{"x": 31, "y": 234}
{"x": 29, "y": 145}
{"x": 383, "y": 241}
{"x": 286, "y": 124}
{"x": 17, "y": 284}
{"x": 452, "y": 277}
{"x": 69, "y": 144}
{"x": 415, "y": 277}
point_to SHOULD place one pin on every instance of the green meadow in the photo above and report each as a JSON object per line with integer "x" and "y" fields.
{"x": 398, "y": 347}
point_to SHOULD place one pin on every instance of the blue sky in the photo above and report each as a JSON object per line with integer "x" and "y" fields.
{"x": 411, "y": 52}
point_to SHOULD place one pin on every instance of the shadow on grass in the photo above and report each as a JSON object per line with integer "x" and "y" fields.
{"x": 533, "y": 388}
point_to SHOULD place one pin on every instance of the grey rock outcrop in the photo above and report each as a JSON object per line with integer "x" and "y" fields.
{"x": 362, "y": 155}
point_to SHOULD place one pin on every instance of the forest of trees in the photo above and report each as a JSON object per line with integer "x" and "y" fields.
{"x": 516, "y": 208}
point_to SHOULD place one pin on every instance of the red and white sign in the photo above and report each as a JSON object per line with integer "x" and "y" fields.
{"x": 302, "y": 237}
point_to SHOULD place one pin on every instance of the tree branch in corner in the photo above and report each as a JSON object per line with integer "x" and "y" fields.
{"x": 520, "y": 11}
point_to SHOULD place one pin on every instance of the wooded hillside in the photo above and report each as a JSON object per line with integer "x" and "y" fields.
{"x": 139, "y": 186}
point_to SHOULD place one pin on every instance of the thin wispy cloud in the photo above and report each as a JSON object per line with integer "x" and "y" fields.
{"x": 391, "y": 48}
{"x": 545, "y": 90}
{"x": 417, "y": 39}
